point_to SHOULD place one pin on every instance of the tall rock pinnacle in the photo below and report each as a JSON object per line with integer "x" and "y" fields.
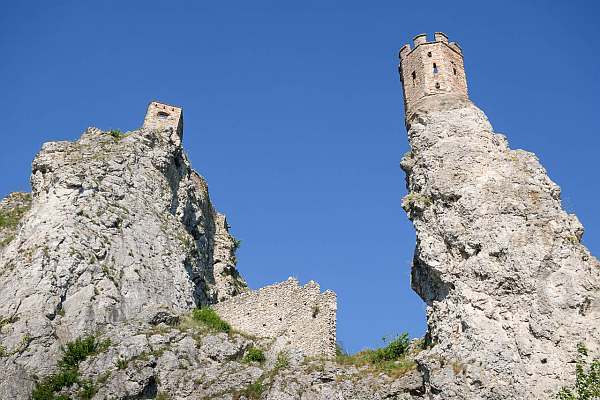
{"x": 510, "y": 289}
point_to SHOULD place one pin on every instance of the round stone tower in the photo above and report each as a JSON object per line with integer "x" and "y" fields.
{"x": 431, "y": 68}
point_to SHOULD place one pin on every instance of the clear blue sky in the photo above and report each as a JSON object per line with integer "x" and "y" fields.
{"x": 293, "y": 112}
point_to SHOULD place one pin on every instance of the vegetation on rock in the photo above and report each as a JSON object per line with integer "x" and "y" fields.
{"x": 394, "y": 359}
{"x": 10, "y": 218}
{"x": 587, "y": 379}
{"x": 211, "y": 319}
{"x": 254, "y": 354}
{"x": 73, "y": 354}
{"x": 116, "y": 134}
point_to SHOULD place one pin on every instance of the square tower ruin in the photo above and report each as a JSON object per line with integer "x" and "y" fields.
{"x": 431, "y": 68}
{"x": 163, "y": 116}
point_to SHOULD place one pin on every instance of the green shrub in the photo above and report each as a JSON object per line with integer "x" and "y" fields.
{"x": 236, "y": 244}
{"x": 254, "y": 355}
{"x": 73, "y": 353}
{"x": 211, "y": 319}
{"x": 392, "y": 359}
{"x": 587, "y": 384}
{"x": 46, "y": 389}
{"x": 395, "y": 350}
{"x": 79, "y": 350}
{"x": 116, "y": 134}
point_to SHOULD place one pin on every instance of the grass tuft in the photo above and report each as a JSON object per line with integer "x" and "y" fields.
{"x": 211, "y": 319}
{"x": 393, "y": 359}
{"x": 254, "y": 355}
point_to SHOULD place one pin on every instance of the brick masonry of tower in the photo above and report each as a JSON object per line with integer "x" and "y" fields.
{"x": 431, "y": 68}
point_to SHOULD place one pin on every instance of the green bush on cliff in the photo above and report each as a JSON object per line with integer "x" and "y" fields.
{"x": 254, "y": 355}
{"x": 211, "y": 319}
{"x": 116, "y": 134}
{"x": 587, "y": 379}
{"x": 393, "y": 359}
{"x": 73, "y": 354}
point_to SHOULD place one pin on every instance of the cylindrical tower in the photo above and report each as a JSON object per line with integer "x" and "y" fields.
{"x": 431, "y": 68}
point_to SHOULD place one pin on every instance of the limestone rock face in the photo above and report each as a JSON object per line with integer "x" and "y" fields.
{"x": 120, "y": 229}
{"x": 118, "y": 242}
{"x": 509, "y": 287}
{"x": 183, "y": 362}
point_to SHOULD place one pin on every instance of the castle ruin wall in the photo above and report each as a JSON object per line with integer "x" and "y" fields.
{"x": 298, "y": 317}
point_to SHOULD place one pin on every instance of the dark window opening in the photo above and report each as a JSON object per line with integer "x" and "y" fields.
{"x": 454, "y": 71}
{"x": 435, "y": 68}
{"x": 428, "y": 54}
{"x": 162, "y": 115}
{"x": 414, "y": 75}
{"x": 437, "y": 85}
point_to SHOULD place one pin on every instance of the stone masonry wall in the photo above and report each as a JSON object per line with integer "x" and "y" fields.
{"x": 161, "y": 116}
{"x": 431, "y": 68}
{"x": 297, "y": 317}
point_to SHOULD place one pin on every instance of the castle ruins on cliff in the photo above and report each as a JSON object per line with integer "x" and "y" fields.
{"x": 297, "y": 318}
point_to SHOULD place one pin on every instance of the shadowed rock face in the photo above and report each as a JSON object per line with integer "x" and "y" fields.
{"x": 119, "y": 229}
{"x": 509, "y": 287}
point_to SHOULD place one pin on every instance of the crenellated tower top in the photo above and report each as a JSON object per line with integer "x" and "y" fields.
{"x": 431, "y": 68}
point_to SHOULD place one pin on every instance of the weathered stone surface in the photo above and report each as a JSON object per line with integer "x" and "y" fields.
{"x": 120, "y": 229}
{"x": 509, "y": 287}
{"x": 122, "y": 242}
{"x": 298, "y": 318}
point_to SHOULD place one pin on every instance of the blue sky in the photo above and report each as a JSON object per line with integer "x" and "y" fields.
{"x": 293, "y": 112}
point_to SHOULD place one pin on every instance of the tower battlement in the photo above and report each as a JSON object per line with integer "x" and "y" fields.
{"x": 431, "y": 68}
{"x": 163, "y": 116}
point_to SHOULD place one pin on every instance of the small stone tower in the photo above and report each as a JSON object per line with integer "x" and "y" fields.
{"x": 431, "y": 68}
{"x": 162, "y": 116}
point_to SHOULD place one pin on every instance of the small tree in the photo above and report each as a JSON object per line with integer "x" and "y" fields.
{"x": 587, "y": 384}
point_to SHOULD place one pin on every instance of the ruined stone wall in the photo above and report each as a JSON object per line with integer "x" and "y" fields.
{"x": 161, "y": 116}
{"x": 431, "y": 68}
{"x": 298, "y": 317}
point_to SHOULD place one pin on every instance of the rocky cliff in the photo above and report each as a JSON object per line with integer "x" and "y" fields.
{"x": 101, "y": 267}
{"x": 510, "y": 289}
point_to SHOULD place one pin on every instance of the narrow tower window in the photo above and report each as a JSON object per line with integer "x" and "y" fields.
{"x": 435, "y": 68}
{"x": 454, "y": 71}
{"x": 414, "y": 75}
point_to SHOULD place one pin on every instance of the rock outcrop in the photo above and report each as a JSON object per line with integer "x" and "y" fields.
{"x": 120, "y": 229}
{"x": 510, "y": 289}
{"x": 102, "y": 266}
